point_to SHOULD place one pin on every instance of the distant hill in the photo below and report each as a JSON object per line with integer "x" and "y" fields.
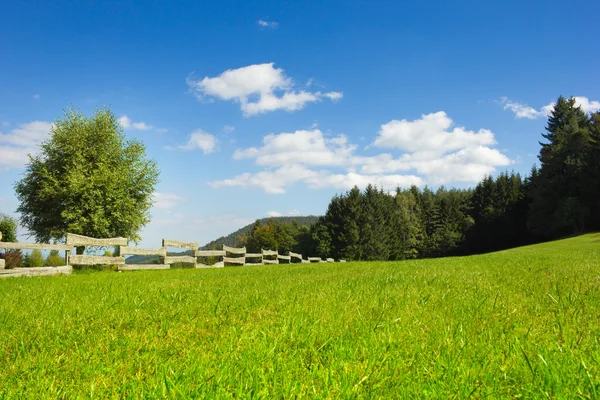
{"x": 231, "y": 239}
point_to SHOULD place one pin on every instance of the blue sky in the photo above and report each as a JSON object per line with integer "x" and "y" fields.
{"x": 265, "y": 108}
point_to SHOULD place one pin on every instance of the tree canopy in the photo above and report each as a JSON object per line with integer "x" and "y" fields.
{"x": 88, "y": 179}
{"x": 8, "y": 227}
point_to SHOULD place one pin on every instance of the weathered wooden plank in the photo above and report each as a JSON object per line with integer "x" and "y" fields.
{"x": 2, "y": 263}
{"x": 269, "y": 252}
{"x": 137, "y": 267}
{"x": 80, "y": 240}
{"x": 314, "y": 259}
{"x": 16, "y": 272}
{"x": 342, "y": 260}
{"x": 270, "y": 261}
{"x": 286, "y": 258}
{"x": 296, "y": 255}
{"x": 305, "y": 262}
{"x": 136, "y": 251}
{"x": 210, "y": 253}
{"x": 183, "y": 259}
{"x": 33, "y": 246}
{"x": 93, "y": 260}
{"x": 234, "y": 250}
{"x": 234, "y": 260}
{"x": 181, "y": 245}
{"x": 330, "y": 260}
{"x": 253, "y": 264}
{"x": 254, "y": 255}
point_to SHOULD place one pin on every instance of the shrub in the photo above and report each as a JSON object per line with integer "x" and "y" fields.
{"x": 54, "y": 260}
{"x": 35, "y": 259}
{"x": 13, "y": 259}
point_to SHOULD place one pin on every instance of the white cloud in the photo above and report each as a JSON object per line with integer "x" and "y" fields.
{"x": 291, "y": 213}
{"x": 5, "y": 123}
{"x": 228, "y": 129}
{"x": 200, "y": 140}
{"x": 305, "y": 147}
{"x": 430, "y": 133}
{"x": 36, "y": 96}
{"x": 277, "y": 181}
{"x": 268, "y": 24}
{"x": 259, "y": 88}
{"x": 586, "y": 104}
{"x": 21, "y": 141}
{"x": 127, "y": 123}
{"x": 524, "y": 111}
{"x": 334, "y": 96}
{"x": 521, "y": 110}
{"x": 166, "y": 200}
{"x": 430, "y": 150}
{"x": 162, "y": 130}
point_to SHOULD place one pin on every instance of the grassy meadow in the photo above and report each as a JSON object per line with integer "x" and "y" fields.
{"x": 517, "y": 323}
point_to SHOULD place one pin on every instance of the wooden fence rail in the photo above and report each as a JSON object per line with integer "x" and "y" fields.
{"x": 14, "y": 272}
{"x": 238, "y": 257}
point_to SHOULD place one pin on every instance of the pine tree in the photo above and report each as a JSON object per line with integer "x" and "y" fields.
{"x": 558, "y": 202}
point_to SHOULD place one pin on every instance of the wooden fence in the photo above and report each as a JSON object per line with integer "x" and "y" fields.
{"x": 228, "y": 256}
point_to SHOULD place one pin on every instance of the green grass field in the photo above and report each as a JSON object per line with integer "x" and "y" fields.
{"x": 518, "y": 323}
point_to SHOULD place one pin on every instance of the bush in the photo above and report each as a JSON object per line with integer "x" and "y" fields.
{"x": 54, "y": 260}
{"x": 35, "y": 259}
{"x": 13, "y": 259}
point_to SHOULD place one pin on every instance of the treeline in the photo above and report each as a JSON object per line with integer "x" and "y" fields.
{"x": 559, "y": 198}
{"x": 232, "y": 239}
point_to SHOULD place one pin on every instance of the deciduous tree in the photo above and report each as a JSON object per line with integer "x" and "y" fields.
{"x": 88, "y": 179}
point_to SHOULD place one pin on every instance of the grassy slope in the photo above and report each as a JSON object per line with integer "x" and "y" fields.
{"x": 518, "y": 322}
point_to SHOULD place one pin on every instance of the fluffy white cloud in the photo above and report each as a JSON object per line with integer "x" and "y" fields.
{"x": 524, "y": 111}
{"x": 267, "y": 24}
{"x": 303, "y": 147}
{"x": 259, "y": 88}
{"x": 127, "y": 123}
{"x": 586, "y": 104}
{"x": 166, "y": 200}
{"x": 278, "y": 180}
{"x": 274, "y": 214}
{"x": 430, "y": 133}
{"x": 21, "y": 141}
{"x": 431, "y": 151}
{"x": 200, "y": 140}
{"x": 228, "y": 129}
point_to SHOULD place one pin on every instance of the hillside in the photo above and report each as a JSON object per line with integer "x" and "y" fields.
{"x": 231, "y": 239}
{"x": 520, "y": 323}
